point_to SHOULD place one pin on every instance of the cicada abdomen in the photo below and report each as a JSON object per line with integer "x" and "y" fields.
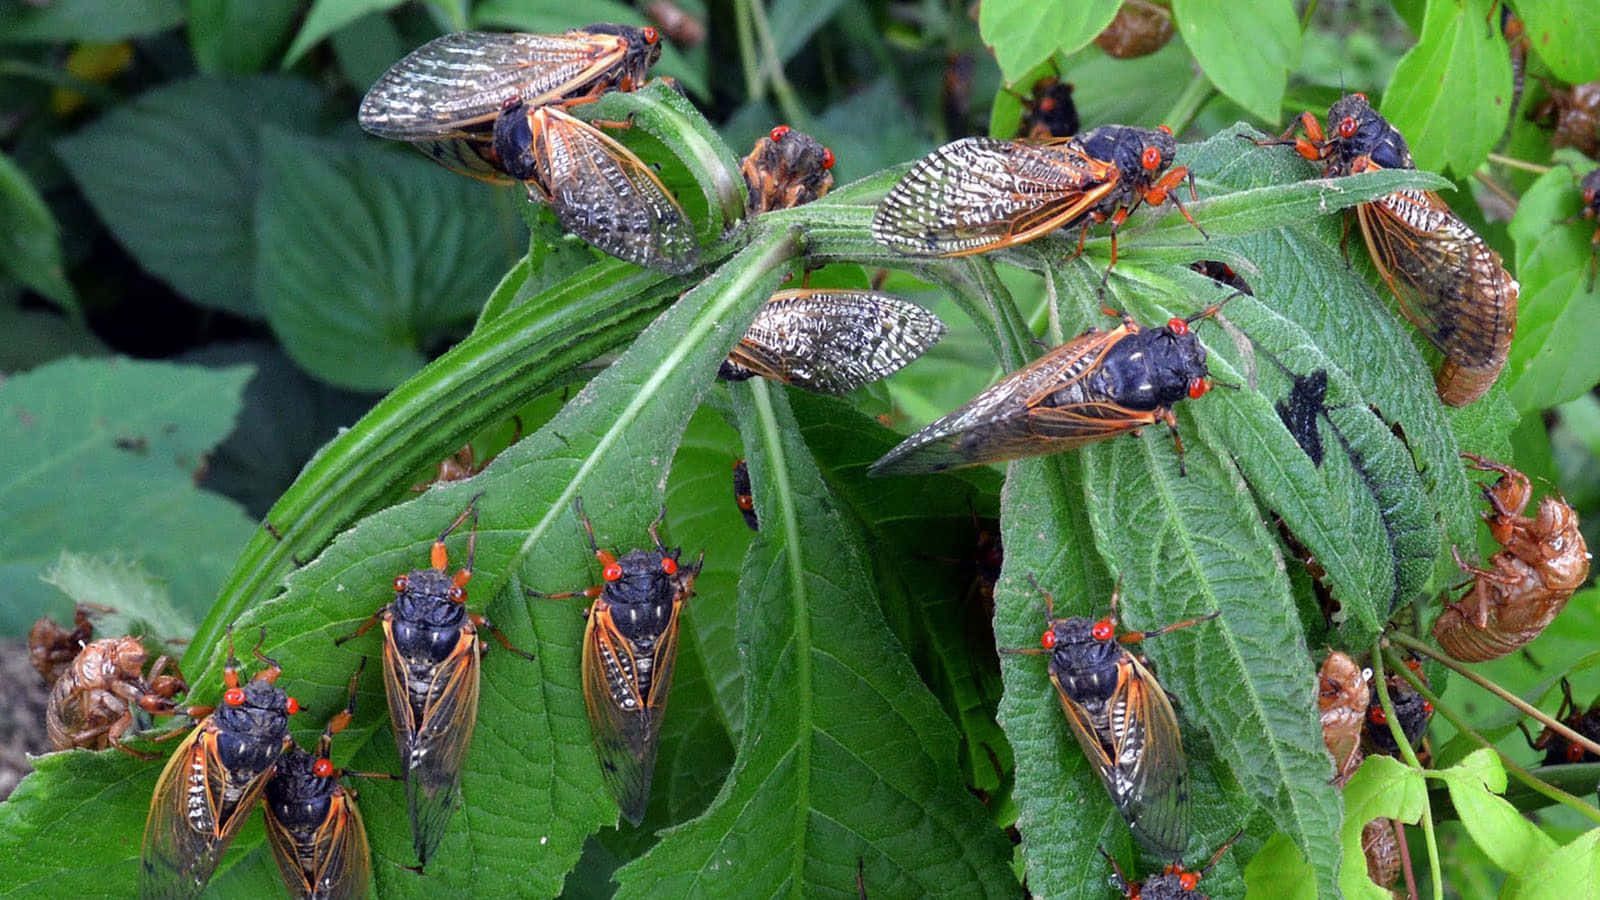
{"x": 831, "y": 341}
{"x": 1527, "y": 584}
{"x": 785, "y": 169}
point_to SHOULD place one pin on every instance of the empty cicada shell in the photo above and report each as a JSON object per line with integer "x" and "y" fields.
{"x": 785, "y": 169}
{"x": 1527, "y": 584}
{"x": 53, "y": 648}
{"x": 91, "y": 702}
{"x": 1381, "y": 847}
{"x": 1342, "y": 698}
{"x": 1575, "y": 113}
{"x": 1140, "y": 28}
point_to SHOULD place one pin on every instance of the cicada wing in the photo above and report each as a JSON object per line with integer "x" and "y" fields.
{"x": 603, "y": 193}
{"x": 197, "y": 808}
{"x": 1149, "y": 749}
{"x": 1044, "y": 407}
{"x": 458, "y": 83}
{"x": 433, "y": 721}
{"x": 624, "y": 722}
{"x": 286, "y": 853}
{"x": 472, "y": 157}
{"x": 342, "y": 861}
{"x": 833, "y": 342}
{"x": 1449, "y": 283}
{"x": 980, "y": 194}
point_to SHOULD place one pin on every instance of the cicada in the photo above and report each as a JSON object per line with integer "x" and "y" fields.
{"x": 629, "y": 647}
{"x": 213, "y": 780}
{"x": 1140, "y": 28}
{"x": 1049, "y": 111}
{"x": 980, "y": 194}
{"x": 1342, "y": 698}
{"x": 742, "y": 495}
{"x": 432, "y": 656}
{"x": 785, "y": 169}
{"x": 52, "y": 648}
{"x": 91, "y": 702}
{"x": 1559, "y": 750}
{"x": 1591, "y": 210}
{"x": 1122, "y": 720}
{"x": 313, "y": 826}
{"x": 1094, "y": 387}
{"x": 1527, "y": 583}
{"x": 1411, "y": 709}
{"x": 1174, "y": 883}
{"x": 1574, "y": 112}
{"x": 831, "y": 341}
{"x": 1449, "y": 283}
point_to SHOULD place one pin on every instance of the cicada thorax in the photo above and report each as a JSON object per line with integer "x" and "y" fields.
{"x": 1411, "y": 709}
{"x": 91, "y": 703}
{"x": 785, "y": 169}
{"x": 1048, "y": 112}
{"x": 1343, "y": 695}
{"x": 212, "y": 783}
{"x": 1449, "y": 283}
{"x": 1527, "y": 584}
{"x": 743, "y": 496}
{"x": 1092, "y": 388}
{"x": 831, "y": 341}
{"x": 1558, "y": 748}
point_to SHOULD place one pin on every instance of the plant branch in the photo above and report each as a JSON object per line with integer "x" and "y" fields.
{"x": 1410, "y": 756}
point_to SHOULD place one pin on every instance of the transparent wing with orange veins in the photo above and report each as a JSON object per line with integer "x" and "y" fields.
{"x": 979, "y": 194}
{"x": 337, "y": 865}
{"x": 1450, "y": 284}
{"x": 459, "y": 82}
{"x": 433, "y": 733}
{"x": 469, "y": 156}
{"x": 190, "y": 823}
{"x": 603, "y": 193}
{"x": 624, "y": 724}
{"x": 1040, "y": 408}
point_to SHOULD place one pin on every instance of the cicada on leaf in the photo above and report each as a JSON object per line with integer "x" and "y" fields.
{"x": 432, "y": 657}
{"x": 314, "y": 828}
{"x": 980, "y": 194}
{"x": 1122, "y": 720}
{"x": 1092, "y": 388}
{"x": 831, "y": 341}
{"x": 629, "y": 647}
{"x": 1448, "y": 281}
{"x": 213, "y": 780}
{"x": 1048, "y": 112}
{"x": 785, "y": 169}
{"x": 1590, "y": 185}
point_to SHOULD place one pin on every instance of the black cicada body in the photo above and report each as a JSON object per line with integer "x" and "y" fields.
{"x": 1558, "y": 750}
{"x": 1049, "y": 112}
{"x": 785, "y": 169}
{"x": 1174, "y": 883}
{"x": 742, "y": 495}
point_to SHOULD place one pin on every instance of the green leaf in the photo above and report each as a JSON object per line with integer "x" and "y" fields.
{"x": 87, "y": 20}
{"x": 370, "y": 257}
{"x": 1451, "y": 93}
{"x": 1512, "y": 842}
{"x": 239, "y": 36}
{"x": 1555, "y": 874}
{"x": 175, "y": 173}
{"x": 1385, "y": 788}
{"x": 326, "y": 17}
{"x": 366, "y": 48}
{"x": 1278, "y": 870}
{"x": 30, "y": 240}
{"x": 98, "y": 456}
{"x": 844, "y": 756}
{"x": 38, "y": 336}
{"x": 58, "y": 849}
{"x": 1216, "y": 33}
{"x": 1559, "y": 31}
{"x": 1023, "y": 33}
{"x": 1551, "y": 362}
{"x": 793, "y": 22}
{"x": 138, "y": 603}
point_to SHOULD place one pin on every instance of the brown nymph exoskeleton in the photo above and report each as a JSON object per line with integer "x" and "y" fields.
{"x": 1342, "y": 698}
{"x": 94, "y": 685}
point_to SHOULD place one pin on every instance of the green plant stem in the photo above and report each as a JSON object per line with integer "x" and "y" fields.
{"x": 1411, "y": 643}
{"x": 1410, "y": 756}
{"x": 1513, "y": 163}
{"x": 1519, "y": 773}
{"x": 1305, "y": 18}
{"x": 788, "y": 100}
{"x": 754, "y": 87}
{"x": 1195, "y": 93}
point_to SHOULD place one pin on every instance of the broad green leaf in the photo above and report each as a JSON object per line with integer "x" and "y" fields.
{"x": 87, "y": 20}
{"x": 1217, "y": 32}
{"x": 239, "y": 36}
{"x": 137, "y": 603}
{"x": 369, "y": 258}
{"x": 1512, "y": 842}
{"x": 1385, "y": 788}
{"x": 1023, "y": 33}
{"x": 793, "y": 22}
{"x": 1279, "y": 870}
{"x": 1556, "y": 874}
{"x": 30, "y": 239}
{"x": 39, "y": 336}
{"x": 366, "y": 48}
{"x": 1551, "y": 360}
{"x": 326, "y": 17}
{"x": 175, "y": 172}
{"x": 1559, "y": 32}
{"x": 844, "y": 756}
{"x": 98, "y": 456}
{"x": 1451, "y": 93}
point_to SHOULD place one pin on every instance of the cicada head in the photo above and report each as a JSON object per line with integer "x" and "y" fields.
{"x": 1590, "y": 185}
{"x": 430, "y": 597}
{"x": 1141, "y": 154}
{"x": 1084, "y": 656}
{"x": 1357, "y": 131}
{"x": 644, "y": 49}
{"x": 253, "y": 721}
{"x": 785, "y": 169}
{"x": 646, "y": 584}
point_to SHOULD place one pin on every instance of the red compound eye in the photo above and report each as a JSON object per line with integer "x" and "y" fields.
{"x": 777, "y": 134}
{"x": 458, "y": 594}
{"x": 1103, "y": 630}
{"x": 1164, "y": 129}
{"x": 1177, "y": 326}
{"x": 612, "y": 571}
{"x": 651, "y": 35}
{"x": 400, "y": 582}
{"x": 827, "y": 158}
{"x": 1048, "y": 639}
{"x": 1189, "y": 880}
{"x": 1048, "y": 104}
{"x": 233, "y": 696}
{"x": 322, "y": 768}
{"x": 1574, "y": 753}
{"x": 294, "y": 706}
{"x": 1376, "y": 716}
{"x": 1361, "y": 95}
{"x": 1198, "y": 388}
{"x": 1427, "y": 707}
{"x": 669, "y": 565}
{"x": 1150, "y": 159}
{"x": 1347, "y": 127}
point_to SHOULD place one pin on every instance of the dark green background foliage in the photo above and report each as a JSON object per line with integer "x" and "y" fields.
{"x": 224, "y": 304}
